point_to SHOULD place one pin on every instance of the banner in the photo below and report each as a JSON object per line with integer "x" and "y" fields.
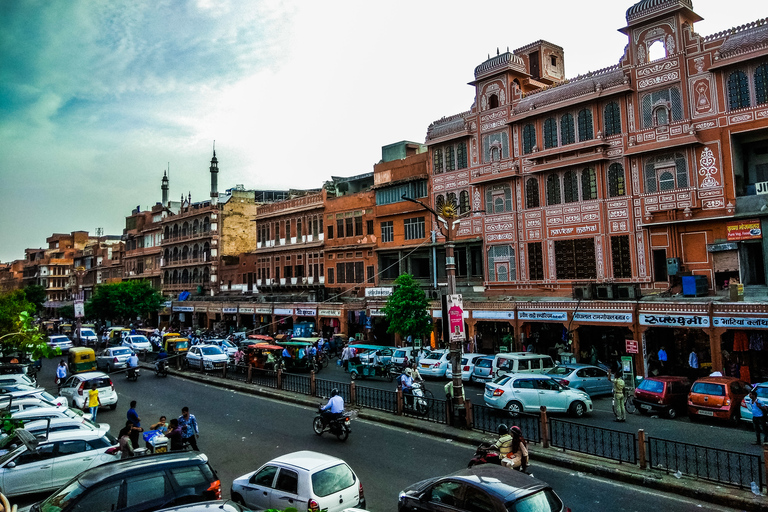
{"x": 744, "y": 230}
{"x": 305, "y": 312}
{"x": 493, "y": 315}
{"x": 455, "y": 306}
{"x": 586, "y": 316}
{"x": 674, "y": 320}
{"x": 543, "y": 316}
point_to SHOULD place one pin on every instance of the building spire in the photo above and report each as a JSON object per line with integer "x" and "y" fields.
{"x": 164, "y": 188}
{"x": 214, "y": 176}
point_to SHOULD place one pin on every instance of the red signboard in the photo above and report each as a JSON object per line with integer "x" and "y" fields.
{"x": 744, "y": 230}
{"x": 632, "y": 347}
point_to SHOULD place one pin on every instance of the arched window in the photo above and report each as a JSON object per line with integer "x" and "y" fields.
{"x": 451, "y": 198}
{"x": 665, "y": 172}
{"x": 185, "y": 229}
{"x": 167, "y": 233}
{"x": 461, "y": 155}
{"x": 498, "y": 204}
{"x": 553, "y": 189}
{"x": 437, "y": 157}
{"x": 185, "y": 253}
{"x": 166, "y": 277}
{"x": 738, "y": 90}
{"x": 616, "y": 184}
{"x": 195, "y": 251}
{"x": 206, "y": 225}
{"x": 166, "y": 257}
{"x": 450, "y": 162}
{"x": 529, "y": 138}
{"x": 761, "y": 84}
{"x": 612, "y": 115}
{"x": 175, "y": 254}
{"x": 666, "y": 181}
{"x": 670, "y": 99}
{"x": 495, "y": 153}
{"x": 439, "y": 202}
{"x": 175, "y": 277}
{"x": 567, "y": 135}
{"x": 175, "y": 231}
{"x": 588, "y": 185}
{"x": 206, "y": 275}
{"x": 195, "y": 227}
{"x": 550, "y": 133}
{"x": 493, "y": 101}
{"x": 585, "y": 125}
{"x": 532, "y": 193}
{"x": 464, "y": 202}
{"x": 184, "y": 276}
{"x": 657, "y": 51}
{"x": 661, "y": 116}
{"x": 498, "y": 199}
{"x": 195, "y": 276}
{"x": 206, "y": 255}
{"x": 570, "y": 187}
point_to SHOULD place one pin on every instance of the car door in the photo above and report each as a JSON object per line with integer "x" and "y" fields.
{"x": 286, "y": 493}
{"x": 601, "y": 382}
{"x": 149, "y": 491}
{"x": 524, "y": 390}
{"x": 443, "y": 497}
{"x": 31, "y": 471}
{"x": 551, "y": 395}
{"x": 70, "y": 458}
{"x": 69, "y": 388}
{"x": 193, "y": 356}
{"x": 259, "y": 488}
{"x": 477, "y": 500}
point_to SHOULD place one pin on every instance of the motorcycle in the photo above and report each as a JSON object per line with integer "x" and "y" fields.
{"x": 161, "y": 368}
{"x": 419, "y": 400}
{"x": 485, "y": 453}
{"x": 338, "y": 427}
{"x": 132, "y": 374}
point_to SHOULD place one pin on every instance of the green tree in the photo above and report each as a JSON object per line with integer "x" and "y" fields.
{"x": 124, "y": 301}
{"x": 407, "y": 309}
{"x": 18, "y": 334}
{"x": 36, "y": 295}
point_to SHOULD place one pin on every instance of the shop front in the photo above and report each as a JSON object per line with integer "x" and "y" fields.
{"x": 215, "y": 318}
{"x": 743, "y": 346}
{"x": 542, "y": 331}
{"x": 182, "y": 316}
{"x": 262, "y": 320}
{"x": 491, "y": 331}
{"x": 602, "y": 337}
{"x": 229, "y": 318}
{"x": 200, "y": 319}
{"x": 329, "y": 322}
{"x": 379, "y": 325}
{"x": 245, "y": 318}
{"x": 305, "y": 323}
{"x": 283, "y": 321}
{"x": 670, "y": 337}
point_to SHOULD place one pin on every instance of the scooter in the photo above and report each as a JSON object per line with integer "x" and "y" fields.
{"x": 132, "y": 374}
{"x": 338, "y": 427}
{"x": 161, "y": 368}
{"x": 419, "y": 400}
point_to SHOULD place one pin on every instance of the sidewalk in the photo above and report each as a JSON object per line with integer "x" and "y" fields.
{"x": 623, "y": 472}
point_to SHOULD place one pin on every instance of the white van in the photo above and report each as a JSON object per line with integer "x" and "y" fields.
{"x": 506, "y": 363}
{"x": 400, "y": 354}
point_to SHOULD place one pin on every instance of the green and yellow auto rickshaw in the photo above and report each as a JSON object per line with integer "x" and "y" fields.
{"x": 371, "y": 361}
{"x": 299, "y": 358}
{"x": 82, "y": 359}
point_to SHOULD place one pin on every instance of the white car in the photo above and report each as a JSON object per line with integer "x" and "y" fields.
{"x": 137, "y": 343}
{"x": 59, "y": 341}
{"x": 113, "y": 358}
{"x": 45, "y": 412}
{"x": 467, "y": 366}
{"x": 227, "y": 346}
{"x": 76, "y": 388}
{"x": 527, "y": 392}
{"x": 88, "y": 337}
{"x": 302, "y": 480}
{"x": 40, "y": 427}
{"x": 54, "y": 462}
{"x": 39, "y": 394}
{"x": 16, "y": 379}
{"x": 434, "y": 364}
{"x": 212, "y": 357}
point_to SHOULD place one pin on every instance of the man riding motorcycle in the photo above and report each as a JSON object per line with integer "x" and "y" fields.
{"x": 333, "y": 409}
{"x": 133, "y": 363}
{"x": 161, "y": 359}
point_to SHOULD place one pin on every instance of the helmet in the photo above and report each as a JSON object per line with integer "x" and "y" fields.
{"x": 334, "y": 392}
{"x": 503, "y": 429}
{"x": 515, "y": 430}
{"x": 408, "y": 372}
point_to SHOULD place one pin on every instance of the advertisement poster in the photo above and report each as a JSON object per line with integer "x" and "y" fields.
{"x": 456, "y": 318}
{"x": 744, "y": 230}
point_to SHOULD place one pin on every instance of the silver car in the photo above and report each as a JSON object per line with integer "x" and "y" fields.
{"x": 113, "y": 358}
{"x": 592, "y": 379}
{"x": 137, "y": 343}
{"x": 59, "y": 341}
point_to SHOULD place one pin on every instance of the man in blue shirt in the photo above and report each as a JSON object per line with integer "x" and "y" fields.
{"x": 758, "y": 416}
{"x": 189, "y": 430}
{"x": 334, "y": 408}
{"x": 662, "y": 357}
{"x": 133, "y": 417}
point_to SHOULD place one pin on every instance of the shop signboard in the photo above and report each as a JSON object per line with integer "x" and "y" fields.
{"x": 245, "y": 311}
{"x": 167, "y": 304}
{"x": 284, "y": 311}
{"x": 186, "y": 309}
{"x": 229, "y": 311}
{"x": 543, "y": 316}
{"x": 673, "y": 320}
{"x": 380, "y": 291}
{"x": 588, "y": 316}
{"x": 744, "y": 230}
{"x": 201, "y": 309}
{"x": 306, "y": 312}
{"x": 262, "y": 310}
{"x": 455, "y": 306}
{"x": 632, "y": 347}
{"x": 329, "y": 312}
{"x": 377, "y": 312}
{"x": 740, "y": 322}
{"x": 493, "y": 315}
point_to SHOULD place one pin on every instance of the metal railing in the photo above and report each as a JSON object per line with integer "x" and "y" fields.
{"x": 488, "y": 419}
{"x": 323, "y": 389}
{"x": 425, "y": 407}
{"x": 266, "y": 378}
{"x": 297, "y": 383}
{"x": 714, "y": 464}
{"x": 602, "y": 442}
{"x": 373, "y": 398}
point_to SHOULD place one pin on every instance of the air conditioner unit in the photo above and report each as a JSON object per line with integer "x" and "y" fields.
{"x": 628, "y": 291}
{"x": 582, "y": 292}
{"x": 604, "y": 291}
{"x": 674, "y": 266}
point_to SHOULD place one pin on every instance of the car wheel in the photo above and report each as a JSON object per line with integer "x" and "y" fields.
{"x": 238, "y": 499}
{"x": 578, "y": 409}
{"x": 514, "y": 408}
{"x": 671, "y": 413}
{"x": 113, "y": 406}
{"x": 317, "y": 425}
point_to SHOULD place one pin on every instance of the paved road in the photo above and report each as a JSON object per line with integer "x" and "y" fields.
{"x": 240, "y": 432}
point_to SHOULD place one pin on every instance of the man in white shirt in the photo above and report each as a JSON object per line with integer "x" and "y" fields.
{"x": 334, "y": 408}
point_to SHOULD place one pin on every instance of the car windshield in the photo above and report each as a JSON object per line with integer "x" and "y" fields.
{"x": 74, "y": 413}
{"x": 211, "y": 351}
{"x": 708, "y": 388}
{"x": 652, "y": 386}
{"x": 543, "y": 501}
{"x": 47, "y": 396}
{"x": 60, "y": 499}
{"x": 87, "y": 332}
{"x": 121, "y": 352}
{"x": 484, "y": 363}
{"x": 434, "y": 355}
{"x": 331, "y": 480}
{"x": 139, "y": 339}
{"x": 227, "y": 344}
{"x": 560, "y": 370}
{"x": 501, "y": 380}
{"x": 762, "y": 391}
{"x": 101, "y": 382}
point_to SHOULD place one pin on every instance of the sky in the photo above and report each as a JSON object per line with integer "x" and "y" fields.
{"x": 98, "y": 98}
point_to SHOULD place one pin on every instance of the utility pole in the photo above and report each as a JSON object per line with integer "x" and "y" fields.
{"x": 79, "y": 302}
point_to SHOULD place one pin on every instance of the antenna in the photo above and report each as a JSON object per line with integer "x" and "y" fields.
{"x": 99, "y": 231}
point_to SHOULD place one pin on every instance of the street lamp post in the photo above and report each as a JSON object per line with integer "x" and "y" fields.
{"x": 80, "y": 272}
{"x": 448, "y": 223}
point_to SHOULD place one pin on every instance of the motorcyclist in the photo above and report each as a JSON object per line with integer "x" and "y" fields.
{"x": 406, "y": 385}
{"x": 504, "y": 443}
{"x": 133, "y": 363}
{"x": 517, "y": 458}
{"x": 161, "y": 359}
{"x": 333, "y": 409}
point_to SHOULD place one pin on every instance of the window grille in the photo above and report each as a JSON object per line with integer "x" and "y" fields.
{"x": 452, "y": 199}
{"x": 464, "y": 202}
{"x": 498, "y": 140}
{"x": 612, "y": 114}
{"x": 501, "y": 263}
{"x": 390, "y": 195}
{"x": 553, "y": 189}
{"x": 761, "y": 84}
{"x": 570, "y": 187}
{"x": 387, "y": 233}
{"x": 341, "y": 275}
{"x": 535, "y": 262}
{"x": 359, "y": 272}
{"x": 450, "y": 163}
{"x": 358, "y": 226}
{"x": 550, "y": 133}
{"x": 414, "y": 228}
{"x": 665, "y": 172}
{"x": 567, "y": 135}
{"x": 498, "y": 199}
{"x": 585, "y": 125}
{"x": 667, "y": 98}
{"x": 529, "y": 138}
{"x": 532, "y": 193}
{"x": 738, "y": 90}
{"x": 666, "y": 181}
{"x": 330, "y": 276}
{"x": 616, "y": 184}
{"x": 439, "y": 202}
{"x": 437, "y": 156}
{"x": 620, "y": 254}
{"x": 588, "y": 185}
{"x": 575, "y": 259}
{"x": 339, "y": 228}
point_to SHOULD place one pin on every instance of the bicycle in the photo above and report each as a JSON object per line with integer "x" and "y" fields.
{"x": 629, "y": 404}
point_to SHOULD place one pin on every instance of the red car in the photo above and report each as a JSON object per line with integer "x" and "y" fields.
{"x": 667, "y": 395}
{"x": 717, "y": 397}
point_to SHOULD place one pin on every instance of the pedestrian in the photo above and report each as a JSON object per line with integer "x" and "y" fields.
{"x": 174, "y": 435}
{"x": 124, "y": 438}
{"x": 662, "y": 356}
{"x": 517, "y": 458}
{"x": 345, "y": 356}
{"x": 93, "y": 401}
{"x": 593, "y": 356}
{"x": 189, "y": 429}
{"x": 133, "y": 418}
{"x": 161, "y": 426}
{"x": 619, "y": 398}
{"x": 693, "y": 364}
{"x": 759, "y": 410}
{"x": 61, "y": 374}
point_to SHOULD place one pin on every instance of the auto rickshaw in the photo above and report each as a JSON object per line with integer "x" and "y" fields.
{"x": 255, "y": 338}
{"x": 176, "y": 346}
{"x": 116, "y": 335}
{"x": 82, "y": 359}
{"x": 361, "y": 366}
{"x": 263, "y": 356}
{"x": 299, "y": 359}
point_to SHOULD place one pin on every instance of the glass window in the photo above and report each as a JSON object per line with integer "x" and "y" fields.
{"x": 612, "y": 115}
{"x": 393, "y": 194}
{"x": 104, "y": 497}
{"x": 666, "y": 181}
{"x": 42, "y": 453}
{"x": 450, "y": 163}
{"x": 348, "y": 229}
{"x": 387, "y": 233}
{"x": 543, "y": 501}
{"x": 553, "y": 189}
{"x": 663, "y": 105}
{"x": 498, "y": 199}
{"x": 535, "y": 262}
{"x": 585, "y": 125}
{"x": 461, "y": 155}
{"x": 464, "y": 202}
{"x": 529, "y": 138}
{"x": 575, "y": 259}
{"x": 567, "y": 135}
{"x": 437, "y": 157}
{"x": 265, "y": 477}
{"x": 339, "y": 228}
{"x": 414, "y": 228}
{"x": 358, "y": 226}
{"x": 501, "y": 263}
{"x": 476, "y": 500}
{"x": 616, "y": 184}
{"x": 446, "y": 493}
{"x": 330, "y": 276}
{"x": 588, "y": 185}
{"x": 287, "y": 481}
{"x": 495, "y": 143}
{"x": 70, "y": 447}
{"x": 333, "y": 479}
{"x": 570, "y": 187}
{"x": 341, "y": 275}
{"x": 550, "y": 133}
{"x": 620, "y": 254}
{"x": 532, "y": 193}
{"x": 523, "y": 383}
{"x": 761, "y": 84}
{"x": 145, "y": 490}
{"x": 738, "y": 90}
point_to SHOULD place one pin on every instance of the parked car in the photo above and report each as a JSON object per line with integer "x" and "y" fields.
{"x": 746, "y": 403}
{"x": 434, "y": 364}
{"x": 667, "y": 395}
{"x": 38, "y": 427}
{"x": 111, "y": 359}
{"x": 595, "y": 381}
{"x": 384, "y": 355}
{"x": 212, "y": 357}
{"x": 138, "y": 484}
{"x": 137, "y": 343}
{"x": 401, "y": 354}
{"x": 207, "y": 506}
{"x": 227, "y": 346}
{"x": 486, "y": 487}
{"x": 527, "y": 392}
{"x": 59, "y": 341}
{"x": 88, "y": 336}
{"x": 22, "y": 403}
{"x": 302, "y": 480}
{"x": 467, "y": 365}
{"x": 76, "y": 388}
{"x": 483, "y": 370}
{"x": 24, "y": 391}
{"x": 16, "y": 379}
{"x": 717, "y": 397}
{"x": 47, "y": 411}
{"x": 55, "y": 460}
{"x": 521, "y": 362}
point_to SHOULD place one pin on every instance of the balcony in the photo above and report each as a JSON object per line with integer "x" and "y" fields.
{"x": 178, "y": 287}
{"x": 190, "y": 236}
{"x": 185, "y": 262}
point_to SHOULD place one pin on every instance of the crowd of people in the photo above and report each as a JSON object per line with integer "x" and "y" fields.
{"x": 180, "y": 432}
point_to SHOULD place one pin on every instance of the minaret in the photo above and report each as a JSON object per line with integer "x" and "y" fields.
{"x": 164, "y": 188}
{"x": 214, "y": 176}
